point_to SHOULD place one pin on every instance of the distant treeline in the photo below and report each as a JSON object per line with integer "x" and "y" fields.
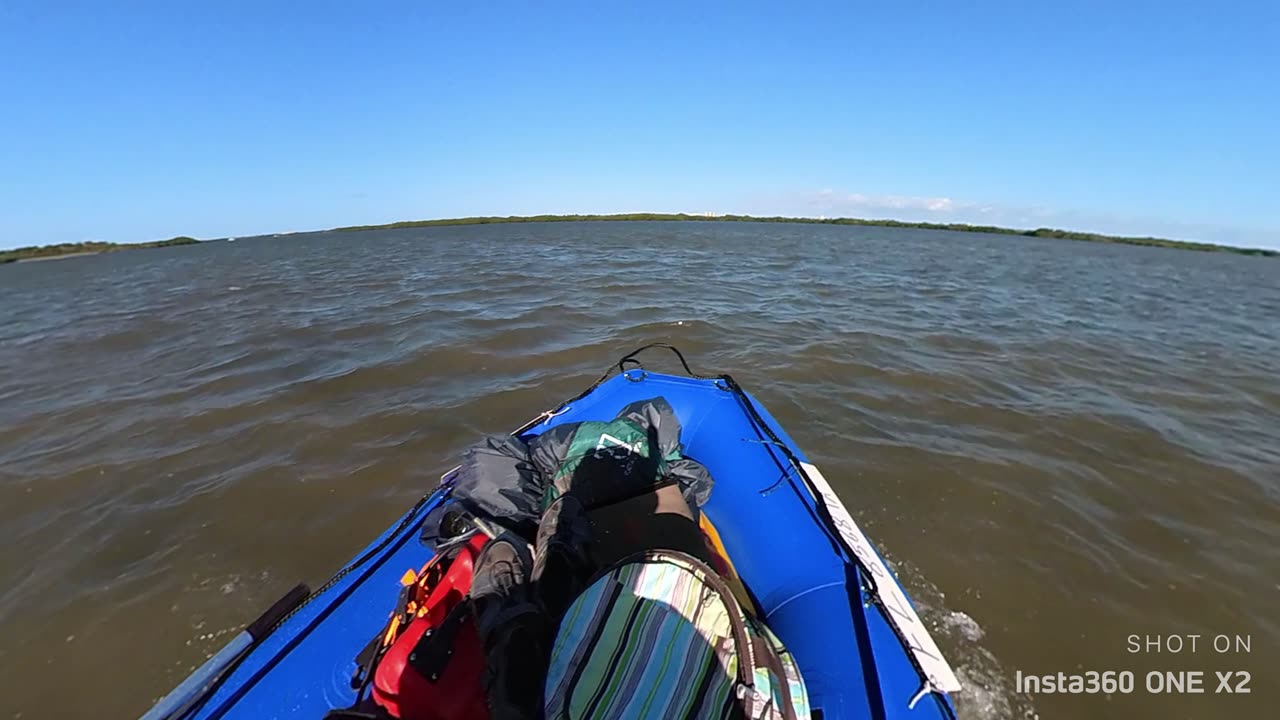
{"x": 957, "y": 227}
{"x": 84, "y": 248}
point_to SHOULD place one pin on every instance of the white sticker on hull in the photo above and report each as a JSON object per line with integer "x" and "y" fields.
{"x": 938, "y": 674}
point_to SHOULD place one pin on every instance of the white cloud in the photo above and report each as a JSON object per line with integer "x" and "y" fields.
{"x": 833, "y": 201}
{"x": 916, "y": 208}
{"x": 923, "y": 208}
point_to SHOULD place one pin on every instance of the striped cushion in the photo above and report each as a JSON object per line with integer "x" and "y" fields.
{"x": 651, "y": 639}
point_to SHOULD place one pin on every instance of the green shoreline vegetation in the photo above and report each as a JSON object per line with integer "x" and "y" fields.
{"x": 955, "y": 227}
{"x": 43, "y": 252}
{"x": 92, "y": 248}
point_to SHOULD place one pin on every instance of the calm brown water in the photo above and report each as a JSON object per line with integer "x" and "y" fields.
{"x": 1058, "y": 444}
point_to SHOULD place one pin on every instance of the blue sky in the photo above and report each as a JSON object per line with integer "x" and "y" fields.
{"x": 135, "y": 121}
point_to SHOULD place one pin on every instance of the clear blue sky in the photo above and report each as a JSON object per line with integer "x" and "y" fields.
{"x": 134, "y": 121}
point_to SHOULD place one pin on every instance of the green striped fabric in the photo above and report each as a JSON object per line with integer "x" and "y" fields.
{"x": 652, "y": 639}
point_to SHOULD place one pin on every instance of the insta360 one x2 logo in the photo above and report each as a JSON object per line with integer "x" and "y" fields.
{"x": 1191, "y": 682}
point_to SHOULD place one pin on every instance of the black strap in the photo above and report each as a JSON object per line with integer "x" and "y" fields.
{"x": 621, "y": 366}
{"x": 366, "y": 659}
{"x": 430, "y": 656}
{"x": 631, "y": 358}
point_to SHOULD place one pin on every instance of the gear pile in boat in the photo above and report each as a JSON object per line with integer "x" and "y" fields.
{"x": 575, "y": 577}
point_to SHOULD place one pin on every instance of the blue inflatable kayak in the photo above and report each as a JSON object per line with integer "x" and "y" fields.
{"x": 862, "y": 650}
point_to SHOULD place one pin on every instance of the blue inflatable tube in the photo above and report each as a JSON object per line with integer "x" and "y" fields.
{"x": 823, "y": 589}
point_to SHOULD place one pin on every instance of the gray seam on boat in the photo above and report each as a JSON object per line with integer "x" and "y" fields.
{"x": 802, "y": 593}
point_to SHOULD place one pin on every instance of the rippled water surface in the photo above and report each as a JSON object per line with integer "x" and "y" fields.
{"x": 1057, "y": 444}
